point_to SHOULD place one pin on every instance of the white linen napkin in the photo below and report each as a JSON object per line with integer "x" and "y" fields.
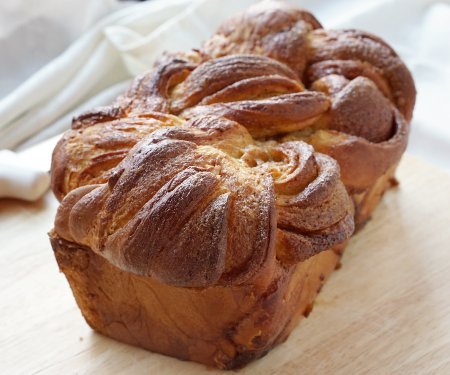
{"x": 32, "y": 33}
{"x": 20, "y": 180}
{"x": 99, "y": 65}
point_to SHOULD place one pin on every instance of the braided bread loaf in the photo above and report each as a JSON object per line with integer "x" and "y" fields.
{"x": 197, "y": 218}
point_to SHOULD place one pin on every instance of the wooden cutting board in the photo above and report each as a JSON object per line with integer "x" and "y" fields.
{"x": 386, "y": 311}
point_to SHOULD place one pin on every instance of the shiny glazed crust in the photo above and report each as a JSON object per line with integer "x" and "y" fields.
{"x": 371, "y": 92}
{"x": 203, "y": 203}
{"x": 274, "y": 70}
{"x": 347, "y": 92}
{"x": 220, "y": 181}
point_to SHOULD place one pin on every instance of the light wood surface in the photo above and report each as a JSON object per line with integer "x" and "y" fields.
{"x": 386, "y": 311}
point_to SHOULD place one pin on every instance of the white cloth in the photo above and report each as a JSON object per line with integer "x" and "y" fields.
{"x": 20, "y": 180}
{"x": 32, "y": 33}
{"x": 99, "y": 64}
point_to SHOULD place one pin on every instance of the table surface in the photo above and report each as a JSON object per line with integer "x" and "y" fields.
{"x": 386, "y": 311}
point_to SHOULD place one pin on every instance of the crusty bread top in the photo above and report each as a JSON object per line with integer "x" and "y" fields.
{"x": 198, "y": 175}
{"x": 293, "y": 36}
{"x": 347, "y": 92}
{"x": 203, "y": 204}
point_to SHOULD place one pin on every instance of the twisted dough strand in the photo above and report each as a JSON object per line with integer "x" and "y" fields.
{"x": 199, "y": 205}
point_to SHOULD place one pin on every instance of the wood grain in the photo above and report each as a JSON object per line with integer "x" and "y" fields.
{"x": 386, "y": 311}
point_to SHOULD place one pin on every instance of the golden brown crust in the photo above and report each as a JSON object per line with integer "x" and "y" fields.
{"x": 293, "y": 36}
{"x": 199, "y": 205}
{"x": 195, "y": 200}
{"x": 355, "y": 83}
{"x": 339, "y": 112}
{"x": 269, "y": 117}
{"x": 215, "y": 75}
{"x": 371, "y": 91}
{"x": 275, "y": 29}
{"x": 355, "y": 45}
{"x": 362, "y": 162}
{"x": 356, "y": 86}
{"x": 93, "y": 148}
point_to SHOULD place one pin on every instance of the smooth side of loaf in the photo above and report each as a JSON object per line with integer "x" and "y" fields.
{"x": 224, "y": 327}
